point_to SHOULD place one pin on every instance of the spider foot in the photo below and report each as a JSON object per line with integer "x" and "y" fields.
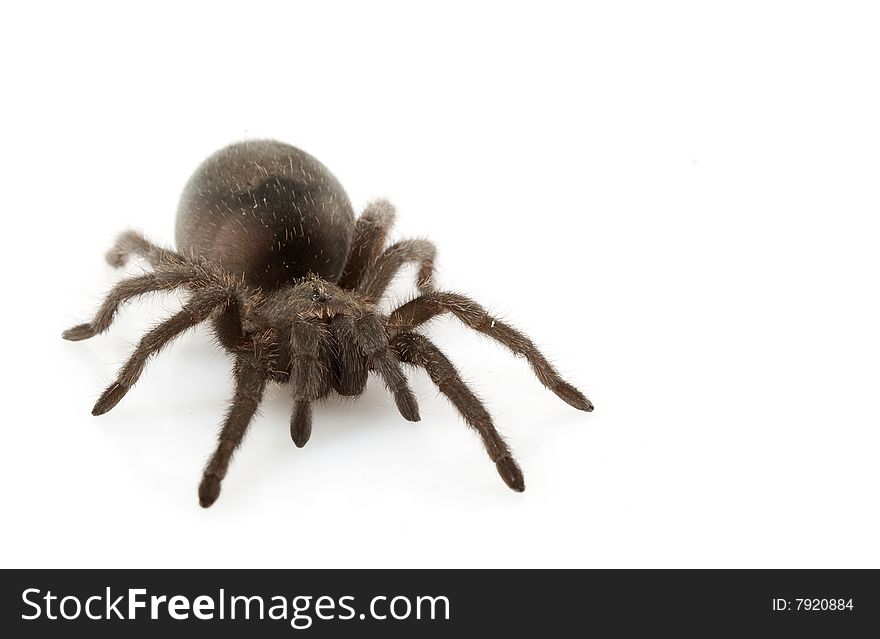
{"x": 116, "y": 257}
{"x": 569, "y": 394}
{"x": 301, "y": 424}
{"x": 79, "y": 332}
{"x": 408, "y": 406}
{"x": 511, "y": 474}
{"x": 110, "y": 398}
{"x": 209, "y": 490}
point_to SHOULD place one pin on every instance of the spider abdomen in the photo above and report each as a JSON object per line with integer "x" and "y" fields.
{"x": 267, "y": 212}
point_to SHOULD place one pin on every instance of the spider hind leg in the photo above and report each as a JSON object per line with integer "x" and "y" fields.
{"x": 133, "y": 243}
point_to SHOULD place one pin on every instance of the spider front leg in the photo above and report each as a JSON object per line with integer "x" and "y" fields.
{"x": 250, "y": 384}
{"x": 369, "y": 334}
{"x": 309, "y": 374}
{"x": 422, "y": 309}
{"x": 349, "y": 365}
{"x": 418, "y": 350}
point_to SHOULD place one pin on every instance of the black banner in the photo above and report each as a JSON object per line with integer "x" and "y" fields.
{"x": 437, "y": 603}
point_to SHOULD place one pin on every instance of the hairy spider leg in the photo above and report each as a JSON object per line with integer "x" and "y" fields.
{"x": 124, "y": 291}
{"x": 429, "y": 305}
{"x": 369, "y": 270}
{"x": 196, "y": 311}
{"x": 378, "y": 276}
{"x": 349, "y": 364}
{"x": 370, "y": 233}
{"x": 133, "y": 243}
{"x": 418, "y": 350}
{"x": 250, "y": 384}
{"x": 370, "y": 336}
{"x": 309, "y": 374}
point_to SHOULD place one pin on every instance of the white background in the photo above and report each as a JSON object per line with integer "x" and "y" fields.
{"x": 677, "y": 201}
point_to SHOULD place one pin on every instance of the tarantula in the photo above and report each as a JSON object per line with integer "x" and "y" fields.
{"x": 270, "y": 253}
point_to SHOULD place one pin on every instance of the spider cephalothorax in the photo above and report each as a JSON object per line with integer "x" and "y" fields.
{"x": 270, "y": 254}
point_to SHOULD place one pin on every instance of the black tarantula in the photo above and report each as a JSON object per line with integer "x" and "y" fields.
{"x": 270, "y": 253}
